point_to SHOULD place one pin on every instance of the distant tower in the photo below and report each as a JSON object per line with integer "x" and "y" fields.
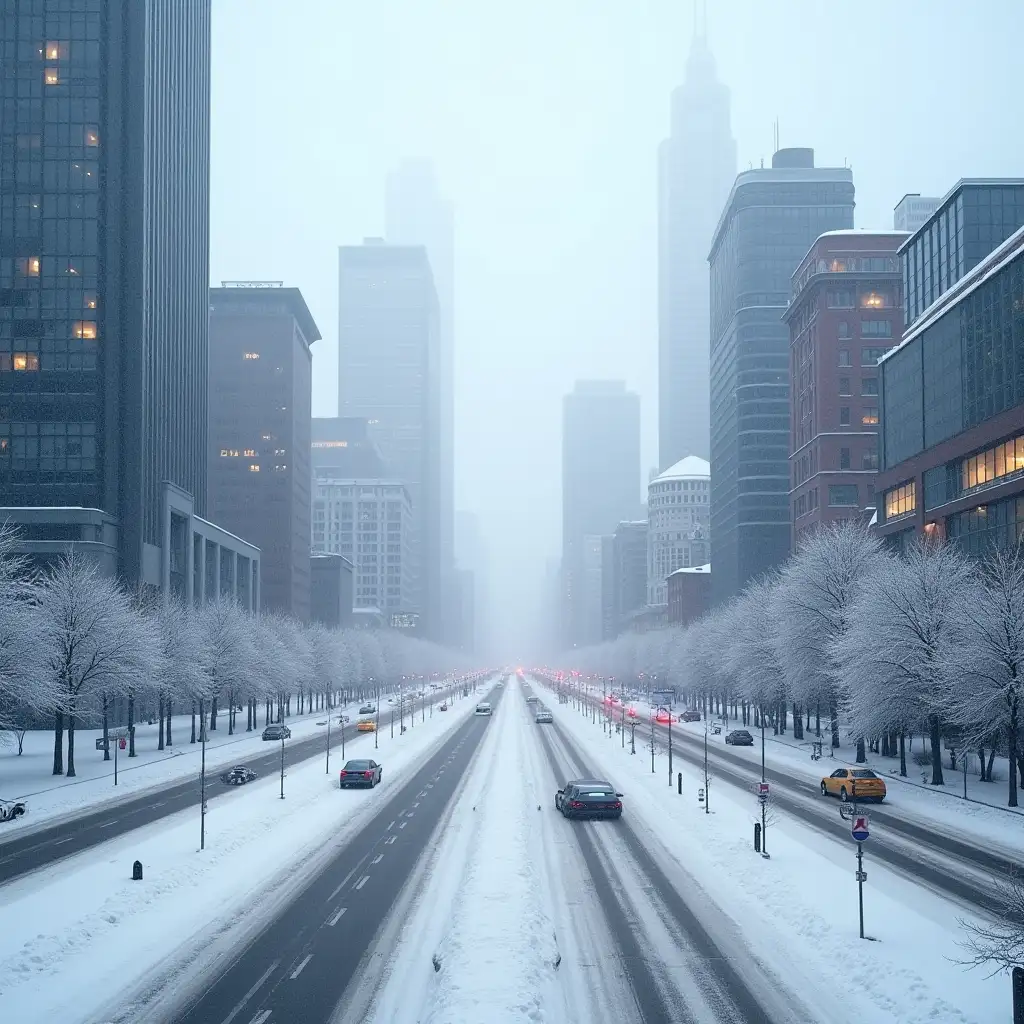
{"x": 697, "y": 165}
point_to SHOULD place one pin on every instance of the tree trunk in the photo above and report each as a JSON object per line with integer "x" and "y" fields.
{"x": 903, "y": 753}
{"x": 885, "y": 744}
{"x": 817, "y": 720}
{"x": 160, "y": 715}
{"x": 231, "y": 711}
{"x": 1011, "y": 749}
{"x": 71, "y": 745}
{"x": 106, "y": 730}
{"x": 248, "y": 716}
{"x": 58, "y": 743}
{"x": 936, "y": 743}
{"x": 782, "y": 716}
{"x": 169, "y": 740}
{"x": 193, "y": 723}
{"x": 833, "y": 714}
{"x": 213, "y": 714}
{"x": 798, "y": 722}
{"x": 981, "y": 764}
{"x": 861, "y": 755}
{"x": 131, "y": 723}
{"x": 991, "y": 758}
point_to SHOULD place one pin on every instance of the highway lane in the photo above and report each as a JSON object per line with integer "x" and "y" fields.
{"x": 28, "y": 851}
{"x": 903, "y": 845}
{"x": 298, "y": 967}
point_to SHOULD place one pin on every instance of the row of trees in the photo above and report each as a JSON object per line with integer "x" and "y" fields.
{"x": 74, "y": 645}
{"x": 880, "y": 645}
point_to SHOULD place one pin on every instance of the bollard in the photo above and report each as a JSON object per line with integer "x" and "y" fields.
{"x": 679, "y": 783}
{"x": 757, "y": 837}
{"x": 137, "y": 871}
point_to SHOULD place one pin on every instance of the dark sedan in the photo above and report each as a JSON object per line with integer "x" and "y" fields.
{"x": 739, "y": 738}
{"x": 277, "y": 732}
{"x": 360, "y": 773}
{"x": 368, "y": 709}
{"x": 690, "y": 716}
{"x": 238, "y": 776}
{"x": 588, "y": 798}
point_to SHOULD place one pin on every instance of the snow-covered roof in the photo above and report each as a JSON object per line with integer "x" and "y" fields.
{"x": 686, "y": 469}
{"x": 690, "y": 569}
{"x": 882, "y": 232}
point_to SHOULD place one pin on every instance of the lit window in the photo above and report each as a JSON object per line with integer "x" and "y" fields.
{"x": 901, "y": 500}
{"x": 50, "y": 76}
{"x": 252, "y": 355}
{"x": 84, "y": 329}
{"x": 870, "y": 417}
{"x": 89, "y": 302}
{"x": 29, "y": 266}
{"x": 254, "y": 467}
{"x": 266, "y": 437}
{"x": 249, "y": 453}
{"x": 279, "y": 451}
{"x": 229, "y": 453}
{"x": 92, "y": 136}
{"x": 55, "y": 51}
{"x": 25, "y": 361}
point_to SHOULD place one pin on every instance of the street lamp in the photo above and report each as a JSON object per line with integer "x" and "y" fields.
{"x": 376, "y": 724}
{"x": 282, "y": 765}
{"x": 202, "y": 775}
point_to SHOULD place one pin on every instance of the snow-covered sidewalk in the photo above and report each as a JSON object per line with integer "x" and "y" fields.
{"x": 798, "y": 909}
{"x": 78, "y": 933}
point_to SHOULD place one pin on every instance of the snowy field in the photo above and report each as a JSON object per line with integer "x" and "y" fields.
{"x": 78, "y": 933}
{"x": 798, "y": 909}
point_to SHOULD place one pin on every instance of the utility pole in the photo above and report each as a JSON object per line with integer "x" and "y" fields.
{"x": 622, "y": 726}
{"x": 282, "y": 766}
{"x": 202, "y": 775}
{"x": 652, "y": 742}
{"x": 707, "y": 778}
{"x": 376, "y": 724}
{"x": 670, "y": 748}
{"x": 328, "y": 770}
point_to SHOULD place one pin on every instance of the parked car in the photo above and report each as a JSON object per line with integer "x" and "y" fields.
{"x": 360, "y": 773}
{"x": 11, "y": 809}
{"x": 690, "y": 716}
{"x": 367, "y": 709}
{"x": 532, "y": 699}
{"x": 543, "y": 717}
{"x": 739, "y": 738}
{"x": 238, "y": 776}
{"x": 444, "y": 707}
{"x": 277, "y": 732}
{"x": 483, "y": 709}
{"x": 366, "y": 725}
{"x": 588, "y": 798}
{"x": 853, "y": 784}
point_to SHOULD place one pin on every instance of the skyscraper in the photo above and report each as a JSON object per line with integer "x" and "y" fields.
{"x": 600, "y": 489}
{"x": 259, "y": 457}
{"x": 416, "y": 213}
{"x": 696, "y": 166}
{"x": 104, "y": 241}
{"x": 770, "y": 219}
{"x": 389, "y": 374}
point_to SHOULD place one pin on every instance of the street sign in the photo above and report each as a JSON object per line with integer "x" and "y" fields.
{"x": 862, "y": 876}
{"x": 700, "y": 796}
{"x": 859, "y": 830}
{"x": 762, "y": 791}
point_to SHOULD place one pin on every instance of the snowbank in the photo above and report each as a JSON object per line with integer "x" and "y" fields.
{"x": 79, "y": 932}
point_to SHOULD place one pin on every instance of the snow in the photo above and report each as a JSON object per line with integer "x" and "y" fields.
{"x": 49, "y": 796}
{"x": 77, "y": 933}
{"x": 505, "y": 899}
{"x": 797, "y": 911}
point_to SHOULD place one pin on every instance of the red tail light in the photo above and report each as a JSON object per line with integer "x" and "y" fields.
{"x": 617, "y": 805}
{"x": 368, "y": 774}
{"x": 576, "y": 805}
{"x": 343, "y": 774}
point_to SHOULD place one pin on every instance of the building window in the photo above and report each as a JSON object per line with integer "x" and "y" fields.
{"x": 844, "y": 416}
{"x": 844, "y": 386}
{"x": 29, "y": 266}
{"x": 254, "y": 467}
{"x": 56, "y": 51}
{"x": 252, "y": 355}
{"x": 844, "y": 458}
{"x": 899, "y": 501}
{"x": 870, "y": 356}
{"x": 229, "y": 453}
{"x": 842, "y": 494}
{"x": 91, "y": 135}
{"x": 89, "y": 301}
{"x": 870, "y": 417}
{"x": 876, "y": 300}
{"x": 844, "y": 329}
{"x": 871, "y": 459}
{"x": 50, "y": 76}
{"x": 844, "y": 357}
{"x": 20, "y": 362}
{"x": 869, "y": 386}
{"x": 84, "y": 329}
{"x": 840, "y": 299}
{"x": 876, "y": 328}
{"x": 1003, "y": 460}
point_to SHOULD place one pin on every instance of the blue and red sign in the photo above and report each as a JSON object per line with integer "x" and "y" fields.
{"x": 859, "y": 830}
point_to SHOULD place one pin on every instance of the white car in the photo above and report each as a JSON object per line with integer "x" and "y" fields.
{"x": 11, "y": 809}
{"x": 483, "y": 709}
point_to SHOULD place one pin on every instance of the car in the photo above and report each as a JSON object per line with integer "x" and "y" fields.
{"x": 690, "y": 716}
{"x": 483, "y": 709}
{"x": 11, "y": 809}
{"x": 360, "y": 773}
{"x": 588, "y": 798}
{"x": 366, "y": 725}
{"x": 367, "y": 709}
{"x": 532, "y": 699}
{"x": 444, "y": 707}
{"x": 854, "y": 784}
{"x": 544, "y": 717}
{"x": 277, "y": 732}
{"x": 238, "y": 776}
{"x": 739, "y": 738}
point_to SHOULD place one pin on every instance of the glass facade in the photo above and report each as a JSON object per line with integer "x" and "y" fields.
{"x": 772, "y": 219}
{"x": 973, "y": 220}
{"x": 999, "y": 525}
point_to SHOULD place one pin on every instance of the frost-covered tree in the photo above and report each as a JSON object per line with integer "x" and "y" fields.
{"x": 987, "y": 695}
{"x": 96, "y": 642}
{"x": 817, "y": 588}
{"x": 186, "y": 657}
{"x": 230, "y": 652}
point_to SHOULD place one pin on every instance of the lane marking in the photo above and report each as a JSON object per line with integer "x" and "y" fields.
{"x": 390, "y": 840}
{"x": 377, "y": 859}
{"x": 404, "y": 823}
{"x": 61, "y": 842}
{"x": 337, "y": 917}
{"x": 160, "y": 804}
{"x": 362, "y": 881}
{"x": 298, "y": 970}
{"x": 422, "y": 793}
{"x": 416, "y": 804}
{"x": 430, "y": 785}
{"x": 107, "y": 824}
{"x": 260, "y": 1018}
{"x": 337, "y": 889}
{"x": 409, "y": 815}
{"x": 248, "y": 995}
{"x": 391, "y": 826}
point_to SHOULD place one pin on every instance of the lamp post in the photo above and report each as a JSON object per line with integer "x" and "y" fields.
{"x": 376, "y": 724}
{"x": 282, "y": 765}
{"x": 328, "y": 769}
{"x": 202, "y": 775}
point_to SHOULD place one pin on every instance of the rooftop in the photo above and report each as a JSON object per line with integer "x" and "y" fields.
{"x": 686, "y": 469}
{"x": 962, "y": 184}
{"x": 269, "y": 292}
{"x": 693, "y": 569}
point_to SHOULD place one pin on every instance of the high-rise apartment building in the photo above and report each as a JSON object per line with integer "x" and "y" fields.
{"x": 770, "y": 219}
{"x": 416, "y": 213}
{"x": 626, "y": 574}
{"x": 261, "y": 382}
{"x": 679, "y": 514}
{"x": 104, "y": 241}
{"x": 389, "y": 375}
{"x": 846, "y": 313}
{"x": 913, "y": 211}
{"x": 600, "y": 489}
{"x": 696, "y": 167}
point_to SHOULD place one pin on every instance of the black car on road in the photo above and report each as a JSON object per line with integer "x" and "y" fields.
{"x": 238, "y": 776}
{"x": 360, "y": 773}
{"x": 588, "y": 798}
{"x": 277, "y": 732}
{"x": 368, "y": 709}
{"x": 739, "y": 738}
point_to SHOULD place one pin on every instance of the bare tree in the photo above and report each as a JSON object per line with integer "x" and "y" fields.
{"x": 999, "y": 943}
{"x": 96, "y": 642}
{"x": 184, "y": 644}
{"x": 229, "y": 650}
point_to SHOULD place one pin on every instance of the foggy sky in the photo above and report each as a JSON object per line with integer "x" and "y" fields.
{"x": 542, "y": 118}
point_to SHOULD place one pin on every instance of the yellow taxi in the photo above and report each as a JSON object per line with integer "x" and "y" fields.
{"x": 366, "y": 725}
{"x": 853, "y": 784}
